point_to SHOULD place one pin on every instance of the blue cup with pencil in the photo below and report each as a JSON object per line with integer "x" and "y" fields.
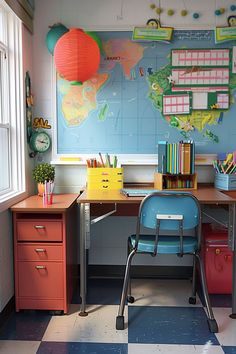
{"x": 225, "y": 171}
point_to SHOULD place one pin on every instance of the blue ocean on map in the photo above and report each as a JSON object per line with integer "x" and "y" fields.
{"x": 114, "y": 114}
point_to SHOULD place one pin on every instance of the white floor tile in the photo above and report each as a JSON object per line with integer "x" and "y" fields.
{"x": 227, "y": 326}
{"x": 18, "y": 347}
{"x": 173, "y": 349}
{"x": 98, "y": 326}
{"x": 158, "y": 292}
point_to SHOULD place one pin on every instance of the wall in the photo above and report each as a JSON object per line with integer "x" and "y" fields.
{"x": 106, "y": 15}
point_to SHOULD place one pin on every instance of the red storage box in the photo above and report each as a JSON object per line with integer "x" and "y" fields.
{"x": 217, "y": 259}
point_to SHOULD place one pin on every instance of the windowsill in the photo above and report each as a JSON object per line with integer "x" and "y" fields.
{"x": 9, "y": 202}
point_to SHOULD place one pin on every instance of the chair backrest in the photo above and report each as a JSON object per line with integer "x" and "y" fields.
{"x": 171, "y": 203}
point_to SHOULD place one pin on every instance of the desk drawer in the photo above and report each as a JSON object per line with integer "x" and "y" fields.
{"x": 39, "y": 252}
{"x": 105, "y": 186}
{"x": 40, "y": 279}
{"x": 39, "y": 230}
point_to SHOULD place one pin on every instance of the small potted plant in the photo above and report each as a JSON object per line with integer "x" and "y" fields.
{"x": 43, "y": 172}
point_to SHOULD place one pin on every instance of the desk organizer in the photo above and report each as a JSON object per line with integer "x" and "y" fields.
{"x": 225, "y": 182}
{"x": 175, "y": 182}
{"x": 104, "y": 178}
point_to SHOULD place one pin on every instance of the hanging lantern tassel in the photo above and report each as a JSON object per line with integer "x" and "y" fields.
{"x": 76, "y": 56}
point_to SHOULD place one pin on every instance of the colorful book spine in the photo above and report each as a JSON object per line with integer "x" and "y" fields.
{"x": 176, "y": 158}
{"x": 162, "y": 157}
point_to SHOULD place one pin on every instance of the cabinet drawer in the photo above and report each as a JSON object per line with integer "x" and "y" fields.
{"x": 40, "y": 279}
{"x": 39, "y": 230}
{"x": 39, "y": 252}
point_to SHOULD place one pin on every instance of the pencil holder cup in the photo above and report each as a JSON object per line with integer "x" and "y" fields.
{"x": 47, "y": 199}
{"x": 225, "y": 182}
{"x": 104, "y": 178}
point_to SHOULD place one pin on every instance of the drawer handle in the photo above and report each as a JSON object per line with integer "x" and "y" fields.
{"x": 40, "y": 267}
{"x": 40, "y": 250}
{"x": 39, "y": 227}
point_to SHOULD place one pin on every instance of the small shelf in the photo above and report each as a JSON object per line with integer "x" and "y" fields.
{"x": 175, "y": 182}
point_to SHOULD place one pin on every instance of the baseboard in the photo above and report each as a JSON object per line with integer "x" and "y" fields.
{"x": 7, "y": 311}
{"x": 140, "y": 271}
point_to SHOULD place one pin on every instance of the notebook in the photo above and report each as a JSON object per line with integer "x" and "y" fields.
{"x": 137, "y": 192}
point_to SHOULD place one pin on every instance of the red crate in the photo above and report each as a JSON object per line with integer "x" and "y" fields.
{"x": 217, "y": 259}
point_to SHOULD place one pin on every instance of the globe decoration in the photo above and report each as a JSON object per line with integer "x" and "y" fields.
{"x": 96, "y": 38}
{"x": 55, "y": 32}
{"x": 76, "y": 56}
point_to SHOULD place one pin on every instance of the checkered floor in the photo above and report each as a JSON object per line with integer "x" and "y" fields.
{"x": 160, "y": 321}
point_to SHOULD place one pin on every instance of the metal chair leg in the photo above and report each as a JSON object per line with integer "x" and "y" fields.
{"x": 211, "y": 320}
{"x": 192, "y": 299}
{"x": 120, "y": 317}
{"x": 130, "y": 298}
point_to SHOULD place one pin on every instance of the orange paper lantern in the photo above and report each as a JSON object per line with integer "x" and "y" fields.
{"x": 76, "y": 56}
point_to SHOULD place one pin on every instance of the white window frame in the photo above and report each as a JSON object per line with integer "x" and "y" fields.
{"x": 12, "y": 117}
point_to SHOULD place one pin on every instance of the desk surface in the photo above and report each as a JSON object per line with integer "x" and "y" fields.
{"x": 61, "y": 202}
{"x": 208, "y": 195}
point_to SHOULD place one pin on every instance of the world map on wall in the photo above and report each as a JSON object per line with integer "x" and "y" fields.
{"x": 119, "y": 110}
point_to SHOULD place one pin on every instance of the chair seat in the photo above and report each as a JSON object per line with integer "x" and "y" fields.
{"x": 166, "y": 244}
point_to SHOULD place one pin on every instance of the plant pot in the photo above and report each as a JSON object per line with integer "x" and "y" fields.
{"x": 40, "y": 189}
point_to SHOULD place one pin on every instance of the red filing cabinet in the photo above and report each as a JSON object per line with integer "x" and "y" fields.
{"x": 45, "y": 252}
{"x": 217, "y": 259}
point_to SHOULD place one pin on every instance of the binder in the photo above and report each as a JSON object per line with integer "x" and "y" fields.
{"x": 187, "y": 158}
{"x": 162, "y": 157}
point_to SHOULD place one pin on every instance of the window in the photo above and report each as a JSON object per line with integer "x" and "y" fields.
{"x": 12, "y": 151}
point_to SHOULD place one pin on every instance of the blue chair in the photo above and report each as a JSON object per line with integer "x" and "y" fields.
{"x": 176, "y": 219}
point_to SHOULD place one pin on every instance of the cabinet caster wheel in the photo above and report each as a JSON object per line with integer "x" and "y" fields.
{"x": 213, "y": 327}
{"x": 130, "y": 299}
{"x": 120, "y": 322}
{"x": 192, "y": 300}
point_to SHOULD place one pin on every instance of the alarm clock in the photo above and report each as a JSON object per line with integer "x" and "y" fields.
{"x": 40, "y": 141}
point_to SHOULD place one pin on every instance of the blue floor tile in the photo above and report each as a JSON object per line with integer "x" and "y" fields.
{"x": 101, "y": 291}
{"x": 217, "y": 300}
{"x": 169, "y": 325}
{"x": 81, "y": 348}
{"x": 221, "y": 300}
{"x": 28, "y": 325}
{"x": 229, "y": 350}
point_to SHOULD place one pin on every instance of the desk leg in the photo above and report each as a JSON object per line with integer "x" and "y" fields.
{"x": 84, "y": 229}
{"x": 232, "y": 227}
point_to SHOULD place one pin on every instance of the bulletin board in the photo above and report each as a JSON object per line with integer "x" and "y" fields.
{"x": 145, "y": 92}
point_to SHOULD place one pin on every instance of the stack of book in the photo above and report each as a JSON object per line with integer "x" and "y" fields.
{"x": 176, "y": 158}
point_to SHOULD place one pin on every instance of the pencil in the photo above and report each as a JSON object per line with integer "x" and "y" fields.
{"x": 101, "y": 159}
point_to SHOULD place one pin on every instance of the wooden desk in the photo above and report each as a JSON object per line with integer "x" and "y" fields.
{"x": 205, "y": 195}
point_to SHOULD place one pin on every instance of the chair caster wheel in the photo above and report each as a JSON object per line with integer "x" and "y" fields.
{"x": 213, "y": 327}
{"x": 130, "y": 299}
{"x": 192, "y": 300}
{"x": 120, "y": 322}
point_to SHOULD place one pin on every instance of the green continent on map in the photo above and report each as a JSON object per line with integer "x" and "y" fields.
{"x": 79, "y": 101}
{"x": 197, "y": 119}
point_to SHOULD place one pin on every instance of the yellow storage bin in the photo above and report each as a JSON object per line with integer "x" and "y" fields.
{"x": 104, "y": 178}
